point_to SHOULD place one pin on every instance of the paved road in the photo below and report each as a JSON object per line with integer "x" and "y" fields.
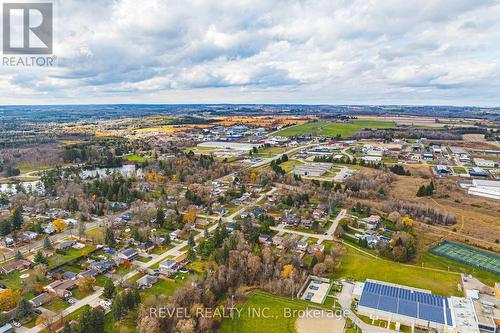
{"x": 336, "y": 221}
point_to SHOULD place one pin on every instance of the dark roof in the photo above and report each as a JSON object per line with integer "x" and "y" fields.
{"x": 129, "y": 252}
{"x": 90, "y": 272}
{"x": 146, "y": 245}
{"x": 406, "y": 302}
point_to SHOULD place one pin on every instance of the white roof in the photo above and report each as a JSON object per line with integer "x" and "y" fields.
{"x": 486, "y": 183}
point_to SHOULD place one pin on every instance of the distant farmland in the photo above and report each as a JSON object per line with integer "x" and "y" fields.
{"x": 328, "y": 128}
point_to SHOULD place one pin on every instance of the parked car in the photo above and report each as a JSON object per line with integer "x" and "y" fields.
{"x": 16, "y": 324}
{"x": 37, "y": 311}
{"x": 70, "y": 300}
{"x": 106, "y": 303}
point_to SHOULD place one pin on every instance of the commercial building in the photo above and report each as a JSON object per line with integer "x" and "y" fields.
{"x": 316, "y": 169}
{"x": 483, "y": 163}
{"x": 485, "y": 188}
{"x": 416, "y": 308}
{"x": 237, "y": 146}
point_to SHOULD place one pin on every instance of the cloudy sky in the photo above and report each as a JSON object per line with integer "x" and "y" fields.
{"x": 267, "y": 51}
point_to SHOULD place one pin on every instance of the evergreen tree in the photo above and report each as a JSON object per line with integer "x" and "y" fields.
{"x": 109, "y": 237}
{"x": 40, "y": 259}
{"x": 314, "y": 261}
{"x": 67, "y": 328}
{"x": 160, "y": 217}
{"x": 47, "y": 244}
{"x": 19, "y": 255}
{"x": 23, "y": 309}
{"x": 5, "y": 227}
{"x": 17, "y": 218}
{"x": 109, "y": 289}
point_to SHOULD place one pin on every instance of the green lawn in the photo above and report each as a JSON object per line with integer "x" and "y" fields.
{"x": 101, "y": 280}
{"x": 80, "y": 294}
{"x": 290, "y": 165}
{"x": 166, "y": 287}
{"x": 112, "y": 326}
{"x": 360, "y": 266}
{"x": 275, "y": 322}
{"x": 75, "y": 315}
{"x": 143, "y": 259}
{"x": 71, "y": 254}
{"x": 327, "y": 128}
{"x": 56, "y": 305}
{"x": 160, "y": 250}
{"x": 459, "y": 170}
{"x": 135, "y": 158}
{"x": 122, "y": 270}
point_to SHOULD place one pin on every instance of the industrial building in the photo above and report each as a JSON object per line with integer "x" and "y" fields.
{"x": 483, "y": 163}
{"x": 238, "y": 146}
{"x": 416, "y": 308}
{"x": 316, "y": 169}
{"x": 485, "y": 188}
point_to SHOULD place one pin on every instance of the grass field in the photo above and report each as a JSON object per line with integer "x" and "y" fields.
{"x": 360, "y": 266}
{"x": 468, "y": 255}
{"x": 135, "y": 158}
{"x": 290, "y": 165}
{"x": 327, "y": 128}
{"x": 276, "y": 321}
{"x": 459, "y": 170}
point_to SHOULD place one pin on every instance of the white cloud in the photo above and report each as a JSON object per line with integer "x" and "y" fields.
{"x": 195, "y": 51}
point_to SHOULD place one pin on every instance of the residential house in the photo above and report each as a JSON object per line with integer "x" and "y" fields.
{"x": 168, "y": 267}
{"x": 128, "y": 254}
{"x": 176, "y": 234}
{"x": 49, "y": 230}
{"x": 64, "y": 245}
{"x": 302, "y": 246}
{"x": 146, "y": 247}
{"x": 316, "y": 248}
{"x": 16, "y": 265}
{"x": 102, "y": 266}
{"x": 61, "y": 288}
{"x": 40, "y": 299}
{"x": 29, "y": 235}
{"x": 306, "y": 223}
{"x": 265, "y": 239}
{"x": 146, "y": 281}
{"x": 371, "y": 222}
{"x": 7, "y": 241}
{"x": 278, "y": 241}
{"x": 92, "y": 272}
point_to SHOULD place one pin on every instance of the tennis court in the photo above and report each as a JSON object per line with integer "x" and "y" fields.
{"x": 469, "y": 255}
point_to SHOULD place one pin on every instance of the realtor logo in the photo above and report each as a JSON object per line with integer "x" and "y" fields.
{"x": 27, "y": 28}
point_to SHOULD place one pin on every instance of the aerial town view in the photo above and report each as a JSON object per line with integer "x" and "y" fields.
{"x": 260, "y": 167}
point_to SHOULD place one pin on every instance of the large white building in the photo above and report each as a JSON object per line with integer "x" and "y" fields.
{"x": 416, "y": 308}
{"x": 238, "y": 146}
{"x": 485, "y": 188}
{"x": 481, "y": 162}
{"x": 316, "y": 169}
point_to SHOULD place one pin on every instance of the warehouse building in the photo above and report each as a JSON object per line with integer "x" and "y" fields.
{"x": 316, "y": 169}
{"x": 483, "y": 163}
{"x": 238, "y": 146}
{"x": 416, "y": 308}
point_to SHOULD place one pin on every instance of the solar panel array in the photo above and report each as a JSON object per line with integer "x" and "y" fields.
{"x": 406, "y": 302}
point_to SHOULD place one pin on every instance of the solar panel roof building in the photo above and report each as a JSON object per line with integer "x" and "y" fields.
{"x": 405, "y": 305}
